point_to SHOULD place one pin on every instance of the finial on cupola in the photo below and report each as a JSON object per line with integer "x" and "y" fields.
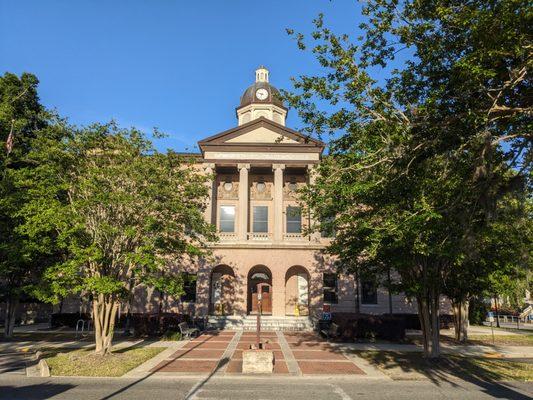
{"x": 261, "y": 74}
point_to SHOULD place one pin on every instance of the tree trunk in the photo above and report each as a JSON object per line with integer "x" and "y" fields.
{"x": 435, "y": 326}
{"x": 497, "y": 311}
{"x": 11, "y": 311}
{"x": 423, "y": 315}
{"x": 460, "y": 320}
{"x": 428, "y": 313}
{"x": 464, "y": 321}
{"x": 357, "y": 302}
{"x": 390, "y": 293}
{"x": 104, "y": 313}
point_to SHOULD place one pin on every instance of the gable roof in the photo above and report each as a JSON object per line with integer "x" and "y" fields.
{"x": 282, "y": 139}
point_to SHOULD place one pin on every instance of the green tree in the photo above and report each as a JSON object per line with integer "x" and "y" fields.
{"x": 23, "y": 124}
{"x": 498, "y": 265}
{"x": 131, "y": 214}
{"x": 420, "y": 162}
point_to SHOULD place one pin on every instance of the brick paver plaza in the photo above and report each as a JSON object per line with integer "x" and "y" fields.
{"x": 221, "y": 353}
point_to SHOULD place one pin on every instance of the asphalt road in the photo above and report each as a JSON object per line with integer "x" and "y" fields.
{"x": 15, "y": 387}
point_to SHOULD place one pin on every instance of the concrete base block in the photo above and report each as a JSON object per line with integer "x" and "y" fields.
{"x": 257, "y": 361}
{"x": 43, "y": 368}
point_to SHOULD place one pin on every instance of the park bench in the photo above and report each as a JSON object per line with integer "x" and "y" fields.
{"x": 331, "y": 332}
{"x": 186, "y": 331}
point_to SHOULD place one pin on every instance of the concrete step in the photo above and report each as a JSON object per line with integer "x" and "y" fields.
{"x": 268, "y": 323}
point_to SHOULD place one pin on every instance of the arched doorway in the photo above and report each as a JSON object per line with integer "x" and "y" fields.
{"x": 222, "y": 290}
{"x": 260, "y": 282}
{"x": 297, "y": 291}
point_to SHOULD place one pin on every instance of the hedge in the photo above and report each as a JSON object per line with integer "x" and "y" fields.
{"x": 386, "y": 326}
{"x": 142, "y": 324}
{"x": 156, "y": 324}
{"x": 67, "y": 319}
{"x": 365, "y": 326}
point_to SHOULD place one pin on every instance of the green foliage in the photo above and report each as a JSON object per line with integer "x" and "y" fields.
{"x": 24, "y": 251}
{"x": 421, "y": 169}
{"x": 172, "y": 335}
{"x": 130, "y": 213}
{"x": 477, "y": 311}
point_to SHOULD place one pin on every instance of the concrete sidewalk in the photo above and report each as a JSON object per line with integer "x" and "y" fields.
{"x": 469, "y": 350}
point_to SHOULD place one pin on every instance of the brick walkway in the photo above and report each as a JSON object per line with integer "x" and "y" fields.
{"x": 316, "y": 357}
{"x": 294, "y": 353}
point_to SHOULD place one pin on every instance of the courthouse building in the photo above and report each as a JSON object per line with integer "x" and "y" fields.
{"x": 258, "y": 166}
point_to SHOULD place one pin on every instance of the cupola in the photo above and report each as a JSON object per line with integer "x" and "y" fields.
{"x": 261, "y": 99}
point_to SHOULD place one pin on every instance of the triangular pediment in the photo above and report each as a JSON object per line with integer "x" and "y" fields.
{"x": 261, "y": 131}
{"x": 261, "y": 135}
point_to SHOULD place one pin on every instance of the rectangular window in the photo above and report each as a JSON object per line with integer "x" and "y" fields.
{"x": 369, "y": 290}
{"x": 294, "y": 220}
{"x": 329, "y": 282}
{"x": 260, "y": 219}
{"x": 189, "y": 286}
{"x": 227, "y": 218}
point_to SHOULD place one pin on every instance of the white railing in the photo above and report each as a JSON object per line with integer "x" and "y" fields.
{"x": 227, "y": 236}
{"x": 265, "y": 236}
{"x": 512, "y": 319}
{"x": 295, "y": 236}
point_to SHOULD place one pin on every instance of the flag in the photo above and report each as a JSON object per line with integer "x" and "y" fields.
{"x": 9, "y": 141}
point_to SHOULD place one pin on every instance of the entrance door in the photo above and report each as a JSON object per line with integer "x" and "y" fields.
{"x": 266, "y": 299}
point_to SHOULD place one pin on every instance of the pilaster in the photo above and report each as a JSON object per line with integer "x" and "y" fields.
{"x": 278, "y": 201}
{"x": 209, "y": 169}
{"x": 243, "y": 200}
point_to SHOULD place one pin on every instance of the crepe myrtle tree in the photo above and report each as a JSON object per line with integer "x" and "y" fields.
{"x": 421, "y": 151}
{"x": 131, "y": 212}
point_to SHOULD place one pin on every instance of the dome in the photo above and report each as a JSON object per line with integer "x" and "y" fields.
{"x": 249, "y": 95}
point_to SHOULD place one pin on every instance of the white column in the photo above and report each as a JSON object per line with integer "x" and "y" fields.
{"x": 315, "y": 236}
{"x": 209, "y": 169}
{"x": 243, "y": 200}
{"x": 278, "y": 201}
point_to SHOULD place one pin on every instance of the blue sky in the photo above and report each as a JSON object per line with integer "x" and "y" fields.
{"x": 177, "y": 65}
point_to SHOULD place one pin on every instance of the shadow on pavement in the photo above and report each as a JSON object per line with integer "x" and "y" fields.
{"x": 450, "y": 369}
{"x": 40, "y": 391}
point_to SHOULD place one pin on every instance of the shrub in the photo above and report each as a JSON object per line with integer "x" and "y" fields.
{"x": 67, "y": 319}
{"x": 172, "y": 335}
{"x": 477, "y": 311}
{"x": 387, "y": 327}
{"x": 412, "y": 321}
{"x": 156, "y": 324}
{"x": 365, "y": 326}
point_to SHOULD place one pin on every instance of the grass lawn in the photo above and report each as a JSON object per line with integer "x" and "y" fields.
{"x": 502, "y": 340}
{"x": 46, "y": 336}
{"x": 86, "y": 363}
{"x": 407, "y": 366}
{"x": 485, "y": 340}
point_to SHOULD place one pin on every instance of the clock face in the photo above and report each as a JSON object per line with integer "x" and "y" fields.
{"x": 261, "y": 94}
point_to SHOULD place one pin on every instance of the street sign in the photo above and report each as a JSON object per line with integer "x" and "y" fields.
{"x": 490, "y": 316}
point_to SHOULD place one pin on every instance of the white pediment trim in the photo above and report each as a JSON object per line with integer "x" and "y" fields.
{"x": 261, "y": 135}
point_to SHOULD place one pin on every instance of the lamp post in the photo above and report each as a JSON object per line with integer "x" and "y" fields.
{"x": 258, "y": 330}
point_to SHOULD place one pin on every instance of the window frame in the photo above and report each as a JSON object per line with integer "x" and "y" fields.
{"x": 220, "y": 220}
{"x": 332, "y": 290}
{"x": 254, "y": 220}
{"x": 189, "y": 296}
{"x": 365, "y": 299}
{"x": 289, "y": 222}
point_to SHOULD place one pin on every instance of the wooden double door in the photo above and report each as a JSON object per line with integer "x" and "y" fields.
{"x": 261, "y": 291}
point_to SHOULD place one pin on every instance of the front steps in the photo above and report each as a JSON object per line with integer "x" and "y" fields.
{"x": 268, "y": 323}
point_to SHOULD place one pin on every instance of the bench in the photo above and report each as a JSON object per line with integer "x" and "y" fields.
{"x": 331, "y": 332}
{"x": 186, "y": 331}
